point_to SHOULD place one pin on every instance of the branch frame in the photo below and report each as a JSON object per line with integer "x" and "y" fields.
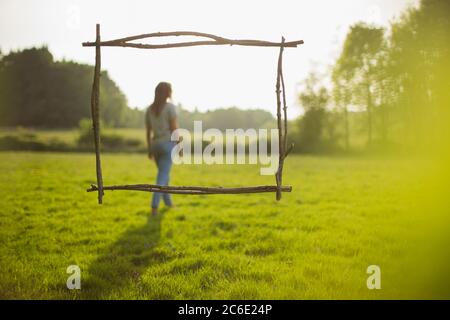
{"x": 211, "y": 39}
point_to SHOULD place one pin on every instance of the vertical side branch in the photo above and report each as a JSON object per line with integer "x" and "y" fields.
{"x": 95, "y": 97}
{"x": 278, "y": 175}
{"x": 283, "y": 89}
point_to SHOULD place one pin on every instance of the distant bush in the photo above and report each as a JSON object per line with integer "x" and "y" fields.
{"x": 112, "y": 142}
{"x": 21, "y": 139}
{"x": 30, "y": 142}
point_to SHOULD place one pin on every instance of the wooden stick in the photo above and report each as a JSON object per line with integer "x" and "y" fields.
{"x": 289, "y": 150}
{"x": 278, "y": 175}
{"x": 168, "y": 34}
{"x": 193, "y": 190}
{"x": 215, "y": 40}
{"x": 249, "y": 43}
{"x": 95, "y": 98}
{"x": 196, "y": 34}
{"x": 283, "y": 88}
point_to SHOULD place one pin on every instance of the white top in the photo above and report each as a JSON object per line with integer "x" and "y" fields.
{"x": 161, "y": 124}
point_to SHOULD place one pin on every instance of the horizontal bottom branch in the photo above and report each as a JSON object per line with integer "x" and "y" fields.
{"x": 192, "y": 190}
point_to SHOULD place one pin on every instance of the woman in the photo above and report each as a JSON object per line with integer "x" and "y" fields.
{"x": 161, "y": 121}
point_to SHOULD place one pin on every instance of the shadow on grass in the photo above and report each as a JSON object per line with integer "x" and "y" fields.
{"x": 120, "y": 267}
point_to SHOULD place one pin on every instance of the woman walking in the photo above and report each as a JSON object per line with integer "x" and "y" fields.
{"x": 161, "y": 121}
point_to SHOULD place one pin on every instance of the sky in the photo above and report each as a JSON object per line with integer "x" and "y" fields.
{"x": 205, "y": 77}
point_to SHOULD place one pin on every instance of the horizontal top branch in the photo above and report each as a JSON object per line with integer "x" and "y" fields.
{"x": 212, "y": 40}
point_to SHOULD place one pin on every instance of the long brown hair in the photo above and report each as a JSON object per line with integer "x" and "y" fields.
{"x": 163, "y": 91}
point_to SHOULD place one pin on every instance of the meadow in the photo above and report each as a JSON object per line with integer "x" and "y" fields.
{"x": 344, "y": 214}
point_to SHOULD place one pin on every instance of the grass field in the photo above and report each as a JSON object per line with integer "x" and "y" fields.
{"x": 343, "y": 215}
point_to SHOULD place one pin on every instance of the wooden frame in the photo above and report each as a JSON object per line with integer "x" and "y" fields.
{"x": 284, "y": 150}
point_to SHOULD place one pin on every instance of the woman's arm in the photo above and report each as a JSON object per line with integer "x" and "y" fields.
{"x": 148, "y": 136}
{"x": 149, "y": 139}
{"x": 173, "y": 119}
{"x": 173, "y": 124}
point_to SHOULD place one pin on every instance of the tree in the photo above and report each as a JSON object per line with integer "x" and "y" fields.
{"x": 341, "y": 94}
{"x": 419, "y": 51}
{"x": 314, "y": 100}
{"x": 37, "y": 91}
{"x": 355, "y": 71}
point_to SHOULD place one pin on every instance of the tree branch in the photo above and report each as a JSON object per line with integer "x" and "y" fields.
{"x": 192, "y": 189}
{"x": 214, "y": 40}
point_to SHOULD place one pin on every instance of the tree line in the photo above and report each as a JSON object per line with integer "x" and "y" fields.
{"x": 37, "y": 91}
{"x": 389, "y": 87}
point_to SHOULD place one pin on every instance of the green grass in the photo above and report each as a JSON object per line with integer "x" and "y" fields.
{"x": 343, "y": 215}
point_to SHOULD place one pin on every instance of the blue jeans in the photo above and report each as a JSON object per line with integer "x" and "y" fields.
{"x": 161, "y": 151}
